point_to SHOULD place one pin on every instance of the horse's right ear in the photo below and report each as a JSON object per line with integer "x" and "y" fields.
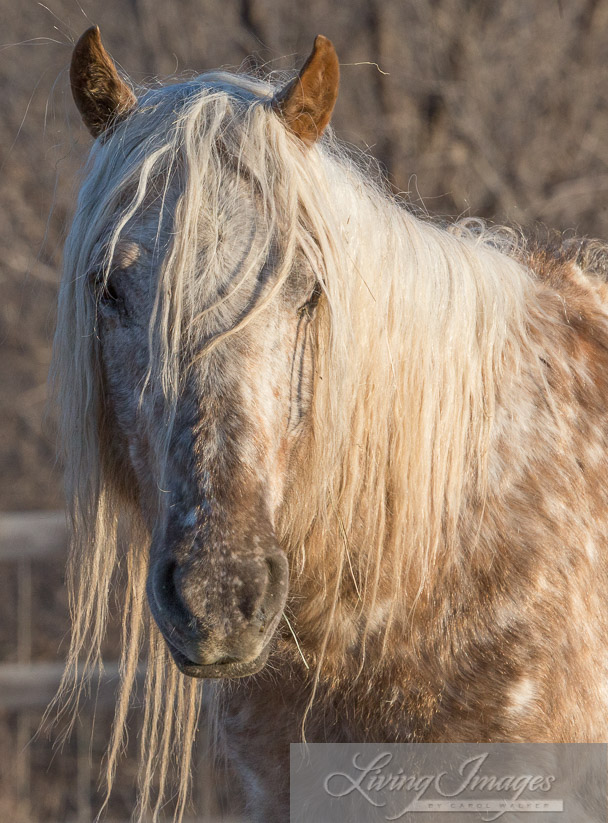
{"x": 101, "y": 96}
{"x": 306, "y": 104}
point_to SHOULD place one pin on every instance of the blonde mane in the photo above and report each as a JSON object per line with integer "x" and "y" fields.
{"x": 415, "y": 328}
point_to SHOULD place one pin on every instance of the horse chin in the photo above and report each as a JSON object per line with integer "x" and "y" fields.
{"x": 231, "y": 669}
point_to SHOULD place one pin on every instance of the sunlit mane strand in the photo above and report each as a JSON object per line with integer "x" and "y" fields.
{"x": 416, "y": 324}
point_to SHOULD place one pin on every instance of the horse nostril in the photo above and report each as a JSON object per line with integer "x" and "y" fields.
{"x": 173, "y": 611}
{"x": 164, "y": 586}
{"x": 167, "y": 580}
{"x": 278, "y": 573}
{"x": 257, "y": 595}
{"x": 260, "y": 617}
{"x": 251, "y": 597}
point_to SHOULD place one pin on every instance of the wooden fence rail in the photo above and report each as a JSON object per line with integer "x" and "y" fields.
{"x": 25, "y": 535}
{"x": 31, "y": 686}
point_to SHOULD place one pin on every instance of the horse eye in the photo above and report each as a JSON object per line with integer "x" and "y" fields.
{"x": 312, "y": 302}
{"x": 106, "y": 290}
{"x": 109, "y": 292}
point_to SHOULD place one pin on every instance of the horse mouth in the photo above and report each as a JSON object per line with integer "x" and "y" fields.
{"x": 223, "y": 647}
{"x": 221, "y": 669}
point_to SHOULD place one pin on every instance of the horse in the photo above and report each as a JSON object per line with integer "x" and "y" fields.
{"x": 351, "y": 460}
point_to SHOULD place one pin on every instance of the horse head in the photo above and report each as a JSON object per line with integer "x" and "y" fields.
{"x": 201, "y": 302}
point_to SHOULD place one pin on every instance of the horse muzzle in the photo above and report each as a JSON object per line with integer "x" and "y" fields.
{"x": 218, "y": 616}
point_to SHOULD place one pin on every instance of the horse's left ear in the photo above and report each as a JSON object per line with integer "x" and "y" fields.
{"x": 100, "y": 94}
{"x": 307, "y": 102}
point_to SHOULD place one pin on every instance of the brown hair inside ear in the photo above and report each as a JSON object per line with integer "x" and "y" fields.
{"x": 306, "y": 104}
{"x": 100, "y": 94}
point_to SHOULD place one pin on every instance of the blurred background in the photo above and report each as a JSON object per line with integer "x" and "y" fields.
{"x": 472, "y": 107}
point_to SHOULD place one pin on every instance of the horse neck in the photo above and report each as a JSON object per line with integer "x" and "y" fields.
{"x": 430, "y": 322}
